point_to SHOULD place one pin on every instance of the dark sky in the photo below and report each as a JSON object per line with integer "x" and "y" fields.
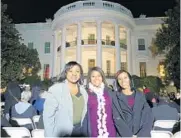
{"x": 31, "y": 11}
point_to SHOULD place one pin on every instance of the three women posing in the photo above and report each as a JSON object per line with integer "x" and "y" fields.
{"x": 70, "y": 110}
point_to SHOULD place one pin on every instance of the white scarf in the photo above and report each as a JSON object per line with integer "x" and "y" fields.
{"x": 102, "y": 128}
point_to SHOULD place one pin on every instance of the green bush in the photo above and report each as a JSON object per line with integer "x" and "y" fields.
{"x": 31, "y": 79}
{"x": 47, "y": 83}
{"x": 152, "y": 82}
{"x": 136, "y": 81}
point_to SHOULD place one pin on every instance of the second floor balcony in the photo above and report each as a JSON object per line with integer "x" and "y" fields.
{"x": 94, "y": 42}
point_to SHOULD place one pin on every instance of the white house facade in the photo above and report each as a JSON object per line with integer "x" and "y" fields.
{"x": 94, "y": 33}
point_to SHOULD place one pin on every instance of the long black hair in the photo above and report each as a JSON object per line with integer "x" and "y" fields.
{"x": 67, "y": 67}
{"x": 118, "y": 87}
{"x": 98, "y": 69}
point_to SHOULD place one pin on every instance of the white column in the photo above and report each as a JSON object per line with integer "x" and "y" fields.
{"x": 118, "y": 51}
{"x": 63, "y": 44}
{"x": 99, "y": 44}
{"x": 133, "y": 49}
{"x": 78, "y": 48}
{"x": 129, "y": 51}
{"x": 54, "y": 55}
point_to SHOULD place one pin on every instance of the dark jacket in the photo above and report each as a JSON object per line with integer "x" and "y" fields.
{"x": 12, "y": 95}
{"x": 165, "y": 112}
{"x": 35, "y": 94}
{"x": 28, "y": 113}
{"x": 140, "y": 116}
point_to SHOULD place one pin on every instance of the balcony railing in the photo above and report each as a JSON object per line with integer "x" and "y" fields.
{"x": 94, "y": 42}
{"x": 93, "y": 5}
{"x": 108, "y": 42}
{"x": 71, "y": 44}
{"x": 89, "y": 41}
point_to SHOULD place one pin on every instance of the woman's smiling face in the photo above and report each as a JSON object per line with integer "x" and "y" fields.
{"x": 123, "y": 80}
{"x": 73, "y": 75}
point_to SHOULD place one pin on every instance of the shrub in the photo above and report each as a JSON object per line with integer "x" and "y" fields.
{"x": 152, "y": 82}
{"x": 31, "y": 79}
{"x": 136, "y": 81}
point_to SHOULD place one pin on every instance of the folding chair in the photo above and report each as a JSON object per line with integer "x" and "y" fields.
{"x": 38, "y": 133}
{"x": 177, "y": 135}
{"x": 17, "y": 132}
{"x": 36, "y": 120}
{"x": 24, "y": 122}
{"x": 165, "y": 124}
{"x": 161, "y": 134}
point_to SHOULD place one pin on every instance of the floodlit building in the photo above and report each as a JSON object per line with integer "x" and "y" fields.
{"x": 94, "y": 33}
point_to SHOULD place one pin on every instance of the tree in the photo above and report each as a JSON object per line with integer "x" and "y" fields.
{"x": 14, "y": 56}
{"x": 168, "y": 40}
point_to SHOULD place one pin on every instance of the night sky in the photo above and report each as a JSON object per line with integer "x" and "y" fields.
{"x": 32, "y": 11}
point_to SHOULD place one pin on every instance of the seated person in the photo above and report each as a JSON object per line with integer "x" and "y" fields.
{"x": 164, "y": 112}
{"x": 23, "y": 109}
{"x": 39, "y": 102}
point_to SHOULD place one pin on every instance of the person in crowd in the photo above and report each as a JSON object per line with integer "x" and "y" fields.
{"x": 99, "y": 121}
{"x": 131, "y": 113}
{"x": 39, "y": 102}
{"x": 35, "y": 92}
{"x": 66, "y": 104}
{"x": 163, "y": 111}
{"x": 12, "y": 96}
{"x": 145, "y": 89}
{"x": 177, "y": 99}
{"x": 170, "y": 99}
{"x": 149, "y": 95}
{"x": 23, "y": 109}
{"x": 171, "y": 88}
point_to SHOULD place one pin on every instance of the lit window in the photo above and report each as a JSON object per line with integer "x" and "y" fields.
{"x": 91, "y": 39}
{"x": 30, "y": 45}
{"x": 108, "y": 41}
{"x": 142, "y": 69}
{"x": 47, "y": 47}
{"x": 91, "y": 63}
{"x": 46, "y": 71}
{"x": 108, "y": 65}
{"x": 161, "y": 69}
{"x": 141, "y": 44}
{"x": 124, "y": 66}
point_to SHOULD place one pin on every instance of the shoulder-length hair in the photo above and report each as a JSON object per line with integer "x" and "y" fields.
{"x": 118, "y": 87}
{"x": 67, "y": 67}
{"x": 98, "y": 69}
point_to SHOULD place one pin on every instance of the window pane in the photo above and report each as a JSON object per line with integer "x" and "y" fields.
{"x": 142, "y": 69}
{"x": 124, "y": 66}
{"x": 47, "y": 47}
{"x": 141, "y": 47}
{"x": 91, "y": 63}
{"x": 46, "y": 71}
{"x": 141, "y": 44}
{"x": 108, "y": 65}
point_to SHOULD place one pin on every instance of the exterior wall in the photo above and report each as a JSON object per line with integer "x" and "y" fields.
{"x": 51, "y": 31}
{"x": 38, "y": 33}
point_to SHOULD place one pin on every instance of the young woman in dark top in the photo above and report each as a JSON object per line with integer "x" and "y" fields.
{"x": 131, "y": 112}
